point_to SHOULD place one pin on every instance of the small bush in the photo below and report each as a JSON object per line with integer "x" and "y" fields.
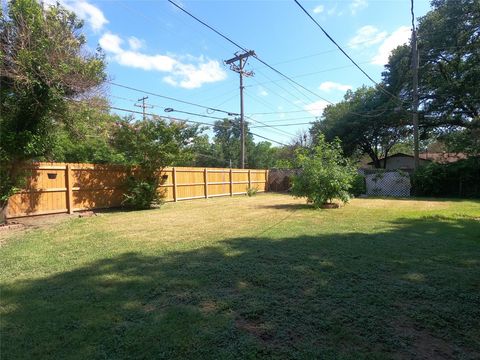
{"x": 459, "y": 179}
{"x": 324, "y": 174}
{"x": 252, "y": 191}
{"x": 141, "y": 194}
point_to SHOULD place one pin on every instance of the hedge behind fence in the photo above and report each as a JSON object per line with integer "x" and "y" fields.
{"x": 459, "y": 179}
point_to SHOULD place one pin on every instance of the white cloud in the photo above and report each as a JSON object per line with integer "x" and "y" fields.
{"x": 186, "y": 75}
{"x": 92, "y": 14}
{"x": 330, "y": 85}
{"x": 318, "y": 9}
{"x": 135, "y": 43}
{"x": 262, "y": 91}
{"x": 111, "y": 43}
{"x": 398, "y": 37}
{"x": 316, "y": 108}
{"x": 84, "y": 10}
{"x": 357, "y": 5}
{"x": 332, "y": 11}
{"x": 190, "y": 76}
{"x": 366, "y": 36}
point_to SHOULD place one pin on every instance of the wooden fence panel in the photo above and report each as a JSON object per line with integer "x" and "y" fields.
{"x": 60, "y": 187}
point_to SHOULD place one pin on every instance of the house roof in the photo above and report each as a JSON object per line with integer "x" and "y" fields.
{"x": 440, "y": 157}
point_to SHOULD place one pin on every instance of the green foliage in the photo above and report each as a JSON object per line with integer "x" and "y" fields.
{"x": 365, "y": 121}
{"x": 459, "y": 179}
{"x": 141, "y": 194}
{"x": 324, "y": 173}
{"x": 359, "y": 186}
{"x": 148, "y": 146}
{"x": 225, "y": 149}
{"x": 252, "y": 191}
{"x": 43, "y": 64}
{"x": 448, "y": 43}
{"x": 464, "y": 141}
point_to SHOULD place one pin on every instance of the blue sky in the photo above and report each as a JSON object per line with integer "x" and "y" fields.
{"x": 152, "y": 46}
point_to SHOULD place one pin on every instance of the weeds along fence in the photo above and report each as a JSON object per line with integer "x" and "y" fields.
{"x": 64, "y": 188}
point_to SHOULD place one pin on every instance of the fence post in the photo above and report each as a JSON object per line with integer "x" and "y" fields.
{"x": 231, "y": 183}
{"x": 266, "y": 181}
{"x": 249, "y": 178}
{"x": 205, "y": 180}
{"x": 174, "y": 180}
{"x": 69, "y": 178}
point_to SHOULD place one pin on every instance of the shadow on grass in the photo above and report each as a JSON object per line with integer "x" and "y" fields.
{"x": 411, "y": 292}
{"x": 289, "y": 206}
{"x": 420, "y": 198}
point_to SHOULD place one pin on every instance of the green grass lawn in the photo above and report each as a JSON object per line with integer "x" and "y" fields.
{"x": 248, "y": 278}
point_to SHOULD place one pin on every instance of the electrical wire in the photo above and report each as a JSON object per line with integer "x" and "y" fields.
{"x": 178, "y": 119}
{"x": 268, "y": 65}
{"x": 261, "y": 126}
{"x": 171, "y": 98}
{"x": 244, "y": 49}
{"x": 345, "y": 53}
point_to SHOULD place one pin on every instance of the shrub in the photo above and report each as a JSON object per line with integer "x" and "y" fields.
{"x": 324, "y": 173}
{"x": 359, "y": 186}
{"x": 459, "y": 179}
{"x": 141, "y": 194}
{"x": 252, "y": 191}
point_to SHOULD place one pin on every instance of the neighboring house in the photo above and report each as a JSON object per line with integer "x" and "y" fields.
{"x": 406, "y": 162}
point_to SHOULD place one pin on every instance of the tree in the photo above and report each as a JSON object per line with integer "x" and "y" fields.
{"x": 262, "y": 155}
{"x": 448, "y": 43}
{"x": 324, "y": 174}
{"x": 44, "y": 65}
{"x": 86, "y": 135}
{"x": 148, "y": 146}
{"x": 366, "y": 121}
{"x": 227, "y": 145}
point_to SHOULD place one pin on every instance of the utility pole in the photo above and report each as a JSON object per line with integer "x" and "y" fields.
{"x": 144, "y": 106}
{"x": 241, "y": 58}
{"x": 416, "y": 152}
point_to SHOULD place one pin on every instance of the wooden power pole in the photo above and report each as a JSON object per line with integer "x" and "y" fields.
{"x": 416, "y": 152}
{"x": 241, "y": 58}
{"x": 144, "y": 106}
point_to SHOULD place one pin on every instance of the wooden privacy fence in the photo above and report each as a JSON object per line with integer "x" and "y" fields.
{"x": 64, "y": 188}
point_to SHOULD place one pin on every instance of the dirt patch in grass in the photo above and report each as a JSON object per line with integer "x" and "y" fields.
{"x": 255, "y": 329}
{"x": 18, "y": 226}
{"x": 423, "y": 345}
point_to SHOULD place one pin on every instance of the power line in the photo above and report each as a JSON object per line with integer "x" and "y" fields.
{"x": 169, "y": 109}
{"x": 263, "y": 137}
{"x": 271, "y": 126}
{"x": 261, "y": 126}
{"x": 183, "y": 120}
{"x": 244, "y": 49}
{"x": 263, "y": 62}
{"x": 344, "y": 52}
{"x": 171, "y": 98}
{"x": 313, "y": 73}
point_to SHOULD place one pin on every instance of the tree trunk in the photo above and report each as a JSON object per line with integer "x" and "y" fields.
{"x": 385, "y": 160}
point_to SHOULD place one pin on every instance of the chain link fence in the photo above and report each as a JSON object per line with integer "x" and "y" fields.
{"x": 379, "y": 182}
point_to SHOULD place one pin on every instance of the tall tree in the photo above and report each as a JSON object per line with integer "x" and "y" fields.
{"x": 449, "y": 52}
{"x": 366, "y": 121}
{"x": 227, "y": 141}
{"x": 44, "y": 64}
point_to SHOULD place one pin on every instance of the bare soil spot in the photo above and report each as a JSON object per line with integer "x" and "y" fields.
{"x": 423, "y": 344}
